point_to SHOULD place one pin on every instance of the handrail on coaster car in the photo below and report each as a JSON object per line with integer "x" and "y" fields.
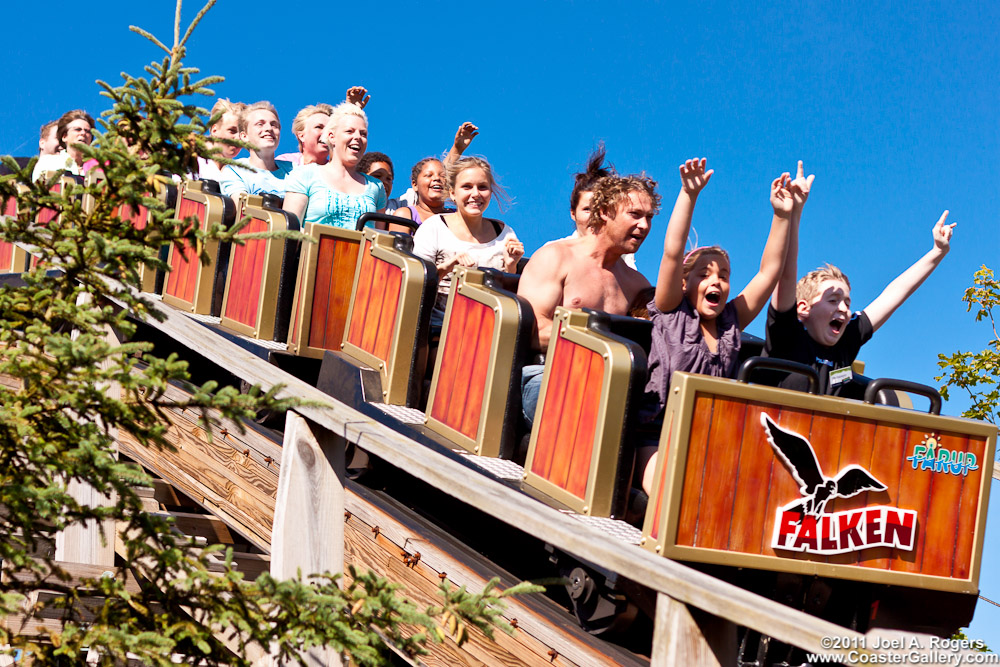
{"x": 750, "y": 479}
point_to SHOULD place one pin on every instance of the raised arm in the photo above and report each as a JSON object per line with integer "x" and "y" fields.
{"x": 900, "y": 289}
{"x": 542, "y": 284}
{"x": 755, "y": 295}
{"x": 463, "y": 137}
{"x": 784, "y": 295}
{"x": 669, "y": 290}
{"x": 358, "y": 95}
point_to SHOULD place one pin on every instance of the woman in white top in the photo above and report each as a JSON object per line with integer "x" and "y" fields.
{"x": 465, "y": 237}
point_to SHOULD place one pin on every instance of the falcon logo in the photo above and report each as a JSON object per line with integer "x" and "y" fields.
{"x": 805, "y": 525}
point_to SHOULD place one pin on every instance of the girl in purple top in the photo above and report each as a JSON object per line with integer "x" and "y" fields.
{"x": 696, "y": 328}
{"x": 428, "y": 179}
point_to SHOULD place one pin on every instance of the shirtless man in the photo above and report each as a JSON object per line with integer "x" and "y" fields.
{"x": 588, "y": 272}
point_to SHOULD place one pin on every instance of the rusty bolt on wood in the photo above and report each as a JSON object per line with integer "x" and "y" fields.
{"x": 376, "y": 530}
{"x": 442, "y": 575}
{"x": 513, "y": 623}
{"x": 553, "y": 654}
{"x": 414, "y": 559}
{"x": 267, "y": 460}
{"x": 347, "y": 515}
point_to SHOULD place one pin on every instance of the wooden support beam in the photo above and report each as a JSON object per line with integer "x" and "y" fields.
{"x": 307, "y": 537}
{"x": 308, "y": 529}
{"x": 206, "y": 526}
{"x": 686, "y": 636}
{"x": 89, "y": 542}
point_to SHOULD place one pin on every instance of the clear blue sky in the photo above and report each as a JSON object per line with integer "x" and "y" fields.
{"x": 892, "y": 106}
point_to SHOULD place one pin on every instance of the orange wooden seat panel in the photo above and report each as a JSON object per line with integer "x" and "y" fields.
{"x": 566, "y": 435}
{"x": 47, "y": 215}
{"x": 375, "y": 305}
{"x": 184, "y": 262}
{"x": 247, "y": 274}
{"x": 465, "y": 362}
{"x": 6, "y": 256}
{"x": 323, "y": 289}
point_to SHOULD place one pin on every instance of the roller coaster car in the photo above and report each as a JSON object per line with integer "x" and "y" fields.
{"x": 760, "y": 478}
{"x": 805, "y": 498}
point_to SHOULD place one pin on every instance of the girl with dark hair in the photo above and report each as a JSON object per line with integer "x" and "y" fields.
{"x": 583, "y": 193}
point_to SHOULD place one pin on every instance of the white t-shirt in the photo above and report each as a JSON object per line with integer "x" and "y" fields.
{"x": 209, "y": 171}
{"x": 434, "y": 242}
{"x": 61, "y": 161}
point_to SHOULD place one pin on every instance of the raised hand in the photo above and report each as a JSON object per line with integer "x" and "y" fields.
{"x": 800, "y": 186}
{"x": 464, "y": 136}
{"x": 942, "y": 233}
{"x": 513, "y": 252}
{"x": 358, "y": 95}
{"x": 781, "y": 195}
{"x": 694, "y": 177}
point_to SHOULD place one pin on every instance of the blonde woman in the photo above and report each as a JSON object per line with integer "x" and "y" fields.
{"x": 336, "y": 193}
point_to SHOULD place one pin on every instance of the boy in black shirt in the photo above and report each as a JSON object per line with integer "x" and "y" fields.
{"x": 811, "y": 322}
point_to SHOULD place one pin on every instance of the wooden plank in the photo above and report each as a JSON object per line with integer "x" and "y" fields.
{"x": 463, "y": 415}
{"x": 582, "y": 457}
{"x": 663, "y": 575}
{"x": 322, "y": 287}
{"x": 91, "y": 542}
{"x": 783, "y": 487}
{"x": 968, "y": 518}
{"x": 682, "y": 636}
{"x": 857, "y": 447}
{"x": 478, "y": 371}
{"x": 886, "y": 466}
{"x": 537, "y": 632}
{"x": 915, "y": 495}
{"x": 201, "y": 525}
{"x": 569, "y": 418}
{"x": 746, "y": 531}
{"x": 449, "y": 351}
{"x": 387, "y": 330}
{"x": 940, "y": 522}
{"x": 346, "y": 261}
{"x": 715, "y": 507}
{"x": 308, "y": 528}
{"x": 237, "y": 473}
{"x": 694, "y": 469}
{"x": 547, "y": 417}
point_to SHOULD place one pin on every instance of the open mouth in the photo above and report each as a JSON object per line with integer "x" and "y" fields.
{"x": 836, "y": 326}
{"x": 714, "y": 298}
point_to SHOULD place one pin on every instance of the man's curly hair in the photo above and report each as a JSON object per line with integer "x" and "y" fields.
{"x": 611, "y": 193}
